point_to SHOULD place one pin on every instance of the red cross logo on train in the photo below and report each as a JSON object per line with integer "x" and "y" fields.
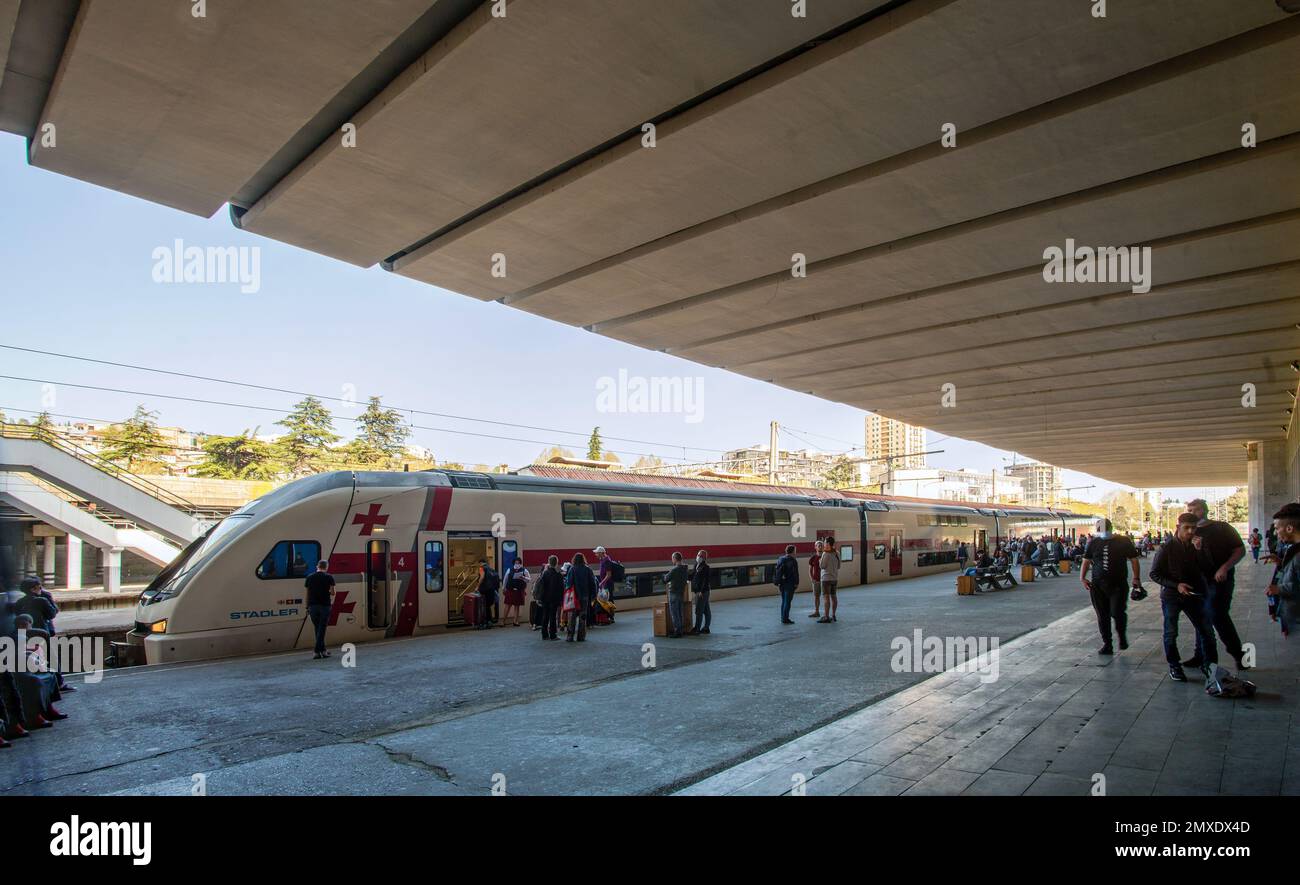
{"x": 369, "y": 520}
{"x": 340, "y": 608}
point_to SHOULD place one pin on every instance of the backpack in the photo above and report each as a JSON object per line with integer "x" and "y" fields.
{"x": 616, "y": 571}
{"x": 781, "y": 574}
{"x": 491, "y": 582}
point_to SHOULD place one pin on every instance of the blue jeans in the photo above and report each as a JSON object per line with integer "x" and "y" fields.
{"x": 1218, "y": 604}
{"x": 675, "y": 601}
{"x": 1194, "y": 607}
{"x": 320, "y": 618}
{"x": 787, "y": 597}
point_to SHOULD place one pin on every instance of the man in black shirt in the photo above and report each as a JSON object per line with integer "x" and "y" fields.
{"x": 1179, "y": 571}
{"x": 1108, "y": 559}
{"x": 1224, "y": 549}
{"x": 700, "y": 592}
{"x": 320, "y": 599}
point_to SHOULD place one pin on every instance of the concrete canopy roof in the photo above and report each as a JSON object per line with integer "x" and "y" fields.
{"x": 521, "y": 136}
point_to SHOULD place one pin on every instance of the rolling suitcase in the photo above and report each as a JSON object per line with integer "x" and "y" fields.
{"x": 470, "y": 610}
{"x": 534, "y": 613}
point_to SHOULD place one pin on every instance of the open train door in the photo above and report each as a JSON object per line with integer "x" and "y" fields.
{"x": 433, "y": 579}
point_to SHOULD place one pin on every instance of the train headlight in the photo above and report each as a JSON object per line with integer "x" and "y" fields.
{"x": 158, "y": 626}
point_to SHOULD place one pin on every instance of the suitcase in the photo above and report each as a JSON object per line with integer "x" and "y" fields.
{"x": 534, "y": 613}
{"x": 602, "y": 617}
{"x": 471, "y": 610}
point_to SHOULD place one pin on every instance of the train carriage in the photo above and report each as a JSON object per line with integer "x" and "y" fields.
{"x": 404, "y": 549}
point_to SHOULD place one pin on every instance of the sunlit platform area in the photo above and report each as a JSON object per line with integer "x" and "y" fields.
{"x": 1061, "y": 720}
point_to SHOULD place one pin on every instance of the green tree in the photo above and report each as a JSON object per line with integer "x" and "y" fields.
{"x": 135, "y": 443}
{"x": 382, "y": 435}
{"x": 1238, "y": 506}
{"x": 236, "y": 457}
{"x": 594, "y": 445}
{"x": 44, "y": 423}
{"x": 841, "y": 475}
{"x": 309, "y": 432}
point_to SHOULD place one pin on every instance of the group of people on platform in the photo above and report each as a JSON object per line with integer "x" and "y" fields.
{"x": 571, "y": 597}
{"x": 28, "y": 692}
{"x": 1195, "y": 568}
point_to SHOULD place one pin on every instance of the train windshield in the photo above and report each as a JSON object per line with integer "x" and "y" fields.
{"x": 168, "y": 582}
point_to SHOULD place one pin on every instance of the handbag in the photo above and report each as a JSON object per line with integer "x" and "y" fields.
{"x": 570, "y": 600}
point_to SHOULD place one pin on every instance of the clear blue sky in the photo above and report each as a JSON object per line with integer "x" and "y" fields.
{"x": 77, "y": 263}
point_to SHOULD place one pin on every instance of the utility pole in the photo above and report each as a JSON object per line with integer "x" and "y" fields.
{"x": 773, "y": 454}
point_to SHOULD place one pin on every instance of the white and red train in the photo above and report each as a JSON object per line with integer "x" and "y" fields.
{"x": 404, "y": 548}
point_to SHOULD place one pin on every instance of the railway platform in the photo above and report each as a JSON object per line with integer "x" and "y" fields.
{"x": 740, "y": 710}
{"x": 1061, "y": 720}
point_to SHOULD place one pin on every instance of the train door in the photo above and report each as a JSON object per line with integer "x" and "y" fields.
{"x": 464, "y": 552}
{"x": 433, "y": 582}
{"x": 895, "y": 552}
{"x": 378, "y": 585}
{"x": 981, "y": 541}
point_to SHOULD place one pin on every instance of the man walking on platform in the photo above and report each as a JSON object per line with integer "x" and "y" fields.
{"x": 1225, "y": 549}
{"x": 1108, "y": 560}
{"x": 320, "y": 600}
{"x": 1177, "y": 569}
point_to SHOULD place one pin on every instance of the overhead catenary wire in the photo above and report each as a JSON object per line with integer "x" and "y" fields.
{"x": 281, "y": 411}
{"x": 325, "y": 397}
{"x": 451, "y": 459}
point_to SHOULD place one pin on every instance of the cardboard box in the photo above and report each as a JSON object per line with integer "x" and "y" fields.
{"x": 1066, "y": 565}
{"x": 1027, "y": 574}
{"x": 662, "y": 620}
{"x": 965, "y": 585}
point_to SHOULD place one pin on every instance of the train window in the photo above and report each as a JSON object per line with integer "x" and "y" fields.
{"x": 290, "y": 559}
{"x": 661, "y": 514}
{"x": 697, "y": 514}
{"x": 726, "y": 577}
{"x": 880, "y": 551}
{"x": 780, "y": 517}
{"x": 846, "y": 553}
{"x": 628, "y": 588}
{"x": 941, "y": 558}
{"x": 578, "y": 511}
{"x": 433, "y": 576}
{"x": 728, "y": 516}
{"x": 755, "y": 516}
{"x": 622, "y": 514}
{"x": 755, "y": 575}
{"x": 656, "y": 587}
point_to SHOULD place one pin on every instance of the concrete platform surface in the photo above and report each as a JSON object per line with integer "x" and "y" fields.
{"x": 445, "y": 714}
{"x": 1058, "y": 716}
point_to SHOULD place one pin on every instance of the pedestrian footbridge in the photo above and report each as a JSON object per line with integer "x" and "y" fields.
{"x": 93, "y": 500}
